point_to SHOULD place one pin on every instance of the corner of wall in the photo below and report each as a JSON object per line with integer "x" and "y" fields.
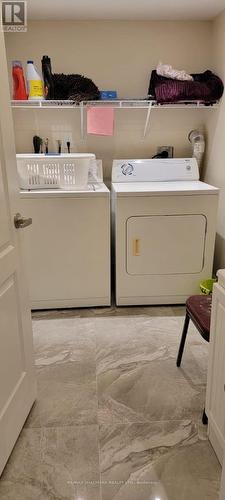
{"x": 215, "y": 126}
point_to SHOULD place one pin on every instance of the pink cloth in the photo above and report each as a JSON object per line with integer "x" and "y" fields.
{"x": 100, "y": 121}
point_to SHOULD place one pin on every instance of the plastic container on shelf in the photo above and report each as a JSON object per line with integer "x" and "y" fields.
{"x": 34, "y": 83}
{"x": 47, "y": 77}
{"x": 206, "y": 286}
{"x": 19, "y": 86}
{"x": 65, "y": 171}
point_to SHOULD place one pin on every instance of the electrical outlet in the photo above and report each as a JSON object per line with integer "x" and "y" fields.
{"x": 169, "y": 149}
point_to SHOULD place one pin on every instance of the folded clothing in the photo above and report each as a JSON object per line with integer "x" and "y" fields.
{"x": 169, "y": 72}
{"x": 206, "y": 87}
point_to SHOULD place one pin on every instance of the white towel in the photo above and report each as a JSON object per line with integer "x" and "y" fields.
{"x": 169, "y": 72}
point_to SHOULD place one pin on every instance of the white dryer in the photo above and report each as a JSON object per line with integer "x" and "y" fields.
{"x": 163, "y": 226}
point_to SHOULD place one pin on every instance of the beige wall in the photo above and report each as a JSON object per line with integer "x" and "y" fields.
{"x": 215, "y": 165}
{"x": 116, "y": 55}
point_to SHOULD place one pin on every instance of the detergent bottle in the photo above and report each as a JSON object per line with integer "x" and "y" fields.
{"x": 34, "y": 82}
{"x": 19, "y": 87}
{"x": 47, "y": 77}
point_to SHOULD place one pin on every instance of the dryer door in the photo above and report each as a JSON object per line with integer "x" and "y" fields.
{"x": 165, "y": 244}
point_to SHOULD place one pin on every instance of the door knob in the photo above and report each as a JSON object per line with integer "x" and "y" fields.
{"x": 21, "y": 222}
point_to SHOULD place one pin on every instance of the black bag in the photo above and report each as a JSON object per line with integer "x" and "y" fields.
{"x": 74, "y": 87}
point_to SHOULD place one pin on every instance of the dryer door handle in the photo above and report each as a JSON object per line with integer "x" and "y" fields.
{"x": 136, "y": 247}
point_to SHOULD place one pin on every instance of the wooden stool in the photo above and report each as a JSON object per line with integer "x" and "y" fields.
{"x": 198, "y": 309}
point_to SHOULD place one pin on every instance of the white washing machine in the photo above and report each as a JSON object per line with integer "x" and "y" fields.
{"x": 67, "y": 248}
{"x": 163, "y": 228}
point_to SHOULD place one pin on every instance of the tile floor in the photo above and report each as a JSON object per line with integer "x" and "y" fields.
{"x": 115, "y": 419}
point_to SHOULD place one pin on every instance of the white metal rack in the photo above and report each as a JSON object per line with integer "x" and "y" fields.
{"x": 115, "y": 103}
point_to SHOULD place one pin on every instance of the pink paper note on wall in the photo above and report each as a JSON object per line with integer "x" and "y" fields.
{"x": 100, "y": 121}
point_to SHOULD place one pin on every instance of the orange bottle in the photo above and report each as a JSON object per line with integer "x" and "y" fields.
{"x": 19, "y": 87}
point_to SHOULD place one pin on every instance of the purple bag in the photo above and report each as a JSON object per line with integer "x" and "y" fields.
{"x": 206, "y": 87}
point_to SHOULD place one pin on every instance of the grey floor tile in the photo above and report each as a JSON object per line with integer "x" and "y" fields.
{"x": 60, "y": 340}
{"x": 67, "y": 395}
{"x": 115, "y": 368}
{"x": 66, "y": 373}
{"x": 49, "y": 464}
{"x": 137, "y": 377}
{"x": 167, "y": 461}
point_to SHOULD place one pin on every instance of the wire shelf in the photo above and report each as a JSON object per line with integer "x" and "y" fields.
{"x": 115, "y": 103}
{"x": 145, "y": 104}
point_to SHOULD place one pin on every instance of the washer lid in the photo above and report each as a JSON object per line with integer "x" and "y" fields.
{"x": 155, "y": 170}
{"x": 55, "y": 156}
{"x": 92, "y": 191}
{"x": 163, "y": 188}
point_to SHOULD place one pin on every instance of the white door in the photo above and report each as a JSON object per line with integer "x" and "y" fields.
{"x": 17, "y": 382}
{"x": 215, "y": 400}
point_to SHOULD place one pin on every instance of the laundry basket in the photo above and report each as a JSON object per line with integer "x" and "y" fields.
{"x": 66, "y": 171}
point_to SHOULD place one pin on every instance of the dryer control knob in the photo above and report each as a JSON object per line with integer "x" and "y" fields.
{"x": 127, "y": 169}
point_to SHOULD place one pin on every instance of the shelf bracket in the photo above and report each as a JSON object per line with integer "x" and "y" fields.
{"x": 147, "y": 118}
{"x": 82, "y": 119}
